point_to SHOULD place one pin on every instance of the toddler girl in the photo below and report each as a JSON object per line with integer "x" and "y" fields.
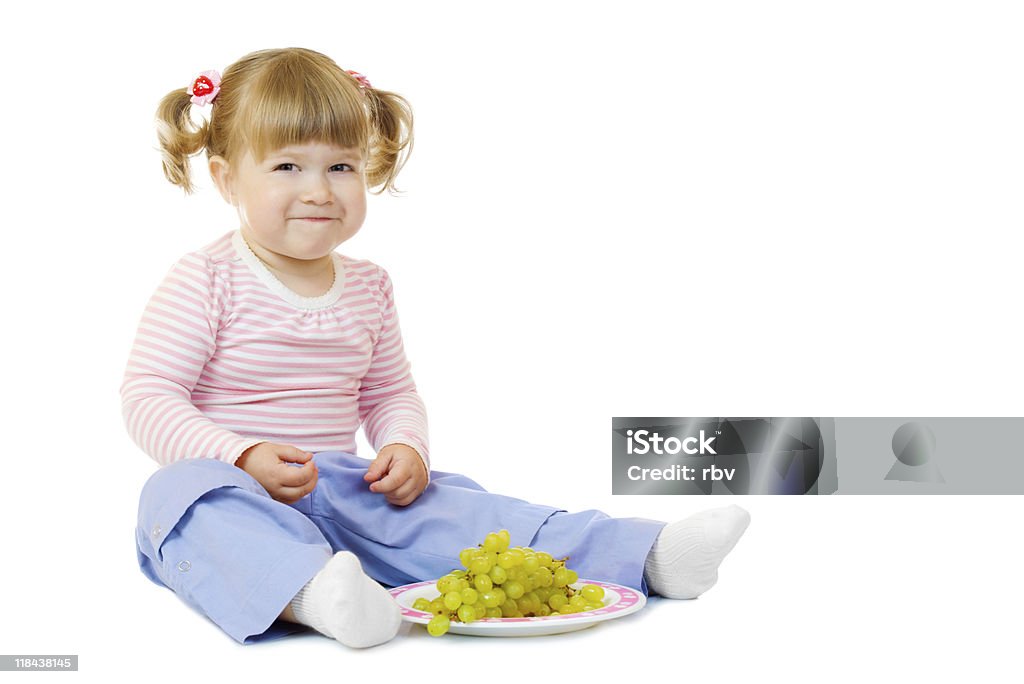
{"x": 259, "y": 356}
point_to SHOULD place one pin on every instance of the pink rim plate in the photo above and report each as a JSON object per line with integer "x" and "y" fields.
{"x": 619, "y": 601}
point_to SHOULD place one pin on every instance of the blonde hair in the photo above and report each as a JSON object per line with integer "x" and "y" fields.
{"x": 271, "y": 99}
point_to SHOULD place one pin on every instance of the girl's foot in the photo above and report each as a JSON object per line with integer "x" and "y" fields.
{"x": 683, "y": 563}
{"x": 342, "y": 602}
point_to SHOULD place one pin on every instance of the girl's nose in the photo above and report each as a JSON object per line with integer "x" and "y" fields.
{"x": 318, "y": 190}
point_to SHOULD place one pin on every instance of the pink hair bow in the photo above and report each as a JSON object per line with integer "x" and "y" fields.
{"x": 205, "y": 87}
{"x": 364, "y": 82}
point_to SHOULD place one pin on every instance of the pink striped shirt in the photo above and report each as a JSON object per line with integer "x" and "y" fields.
{"x": 226, "y": 357}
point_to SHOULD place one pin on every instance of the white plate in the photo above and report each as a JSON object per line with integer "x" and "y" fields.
{"x": 618, "y": 602}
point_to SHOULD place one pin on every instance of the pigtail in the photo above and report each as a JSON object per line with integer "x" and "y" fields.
{"x": 391, "y": 138}
{"x": 179, "y": 137}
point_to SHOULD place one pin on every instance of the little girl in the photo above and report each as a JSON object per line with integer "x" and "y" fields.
{"x": 260, "y": 355}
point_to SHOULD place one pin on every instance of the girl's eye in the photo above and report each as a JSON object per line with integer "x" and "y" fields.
{"x": 288, "y": 166}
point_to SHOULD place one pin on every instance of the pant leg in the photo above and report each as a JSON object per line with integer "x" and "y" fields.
{"x": 399, "y": 545}
{"x": 599, "y": 547}
{"x": 210, "y": 532}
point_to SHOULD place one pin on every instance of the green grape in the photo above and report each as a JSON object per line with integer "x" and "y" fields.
{"x": 530, "y": 562}
{"x": 469, "y": 595}
{"x": 489, "y": 599}
{"x": 543, "y": 610}
{"x": 506, "y": 539}
{"x": 594, "y": 606}
{"x": 483, "y": 582}
{"x": 494, "y": 613}
{"x": 571, "y": 576}
{"x": 437, "y": 606}
{"x": 578, "y": 602}
{"x": 480, "y": 565}
{"x": 506, "y": 560}
{"x": 544, "y": 559}
{"x": 466, "y": 556}
{"x": 447, "y": 583}
{"x": 517, "y": 556}
{"x": 481, "y": 610}
{"x": 467, "y": 613}
{"x": 498, "y": 574}
{"x": 557, "y": 601}
{"x": 438, "y": 625}
{"x": 492, "y": 542}
{"x": 500, "y": 593}
{"x": 593, "y": 593}
{"x": 509, "y": 608}
{"x": 567, "y": 610}
{"x": 421, "y": 604}
{"x": 513, "y": 589}
{"x": 544, "y": 577}
{"x": 452, "y": 600}
{"x": 561, "y": 577}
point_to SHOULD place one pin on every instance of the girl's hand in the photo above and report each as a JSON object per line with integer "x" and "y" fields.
{"x": 398, "y": 473}
{"x": 268, "y": 463}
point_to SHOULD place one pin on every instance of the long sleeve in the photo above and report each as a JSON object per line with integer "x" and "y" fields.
{"x": 174, "y": 341}
{"x": 390, "y": 409}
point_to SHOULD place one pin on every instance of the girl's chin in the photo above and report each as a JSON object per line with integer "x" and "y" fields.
{"x": 316, "y": 255}
{"x": 310, "y": 249}
{"x": 305, "y": 244}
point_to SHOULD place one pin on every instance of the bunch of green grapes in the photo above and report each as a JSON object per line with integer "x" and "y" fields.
{"x": 497, "y": 581}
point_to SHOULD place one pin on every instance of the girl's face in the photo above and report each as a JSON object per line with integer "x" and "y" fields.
{"x": 299, "y": 203}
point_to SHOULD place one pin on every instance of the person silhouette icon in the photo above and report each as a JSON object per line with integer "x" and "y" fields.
{"x": 913, "y": 445}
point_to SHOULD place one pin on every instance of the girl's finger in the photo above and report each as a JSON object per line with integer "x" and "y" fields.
{"x": 293, "y": 455}
{"x": 290, "y": 476}
{"x": 389, "y": 484}
{"x": 378, "y": 467}
{"x": 290, "y": 495}
{"x": 403, "y": 494}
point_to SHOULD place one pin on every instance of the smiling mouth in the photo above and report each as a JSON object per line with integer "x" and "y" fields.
{"x": 314, "y": 218}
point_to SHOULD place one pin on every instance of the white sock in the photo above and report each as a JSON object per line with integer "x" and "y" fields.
{"x": 683, "y": 563}
{"x": 342, "y": 602}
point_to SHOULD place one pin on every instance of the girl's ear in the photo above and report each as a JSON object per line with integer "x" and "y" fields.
{"x": 220, "y": 170}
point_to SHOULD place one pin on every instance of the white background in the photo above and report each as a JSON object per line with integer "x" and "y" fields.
{"x": 762, "y": 209}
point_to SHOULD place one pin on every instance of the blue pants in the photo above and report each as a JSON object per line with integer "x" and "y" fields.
{"x": 210, "y": 532}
